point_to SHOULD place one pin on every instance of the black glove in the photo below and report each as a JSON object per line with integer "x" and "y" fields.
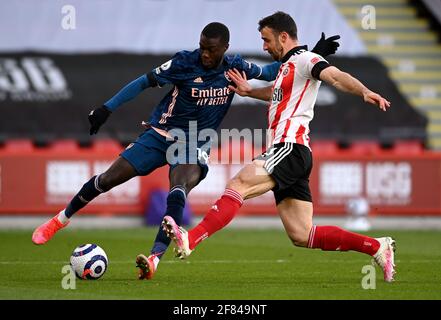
{"x": 325, "y": 47}
{"x": 97, "y": 117}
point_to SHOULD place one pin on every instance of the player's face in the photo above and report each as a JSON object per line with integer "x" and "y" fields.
{"x": 271, "y": 43}
{"x": 212, "y": 51}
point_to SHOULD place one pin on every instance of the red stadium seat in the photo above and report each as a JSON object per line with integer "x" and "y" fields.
{"x": 365, "y": 148}
{"x": 19, "y": 145}
{"x": 106, "y": 145}
{"x": 324, "y": 147}
{"x": 408, "y": 147}
{"x": 65, "y": 145}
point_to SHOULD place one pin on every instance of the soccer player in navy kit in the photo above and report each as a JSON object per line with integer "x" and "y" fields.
{"x": 200, "y": 94}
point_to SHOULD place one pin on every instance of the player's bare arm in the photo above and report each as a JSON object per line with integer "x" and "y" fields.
{"x": 244, "y": 89}
{"x": 345, "y": 82}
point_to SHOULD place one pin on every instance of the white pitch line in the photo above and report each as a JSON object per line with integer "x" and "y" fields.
{"x": 212, "y": 262}
{"x": 133, "y": 261}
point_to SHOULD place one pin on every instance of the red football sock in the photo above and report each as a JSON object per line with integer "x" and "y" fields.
{"x": 331, "y": 238}
{"x": 220, "y": 214}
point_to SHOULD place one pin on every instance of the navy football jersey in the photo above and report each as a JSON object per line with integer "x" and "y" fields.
{"x": 198, "y": 94}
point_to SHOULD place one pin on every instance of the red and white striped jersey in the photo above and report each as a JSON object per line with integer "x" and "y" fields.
{"x": 293, "y": 97}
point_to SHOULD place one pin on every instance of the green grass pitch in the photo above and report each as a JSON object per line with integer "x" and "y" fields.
{"x": 233, "y": 264}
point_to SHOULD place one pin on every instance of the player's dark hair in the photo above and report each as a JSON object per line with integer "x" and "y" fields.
{"x": 217, "y": 30}
{"x": 280, "y": 22}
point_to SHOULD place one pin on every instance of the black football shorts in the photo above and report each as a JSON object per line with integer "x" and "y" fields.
{"x": 290, "y": 165}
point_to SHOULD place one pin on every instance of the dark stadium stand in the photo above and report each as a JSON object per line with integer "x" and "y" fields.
{"x": 61, "y": 112}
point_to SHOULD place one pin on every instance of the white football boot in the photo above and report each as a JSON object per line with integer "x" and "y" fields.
{"x": 179, "y": 235}
{"x": 385, "y": 257}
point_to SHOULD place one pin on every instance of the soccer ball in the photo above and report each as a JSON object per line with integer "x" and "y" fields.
{"x": 89, "y": 261}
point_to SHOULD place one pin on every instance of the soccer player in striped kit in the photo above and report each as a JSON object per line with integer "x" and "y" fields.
{"x": 286, "y": 165}
{"x": 200, "y": 94}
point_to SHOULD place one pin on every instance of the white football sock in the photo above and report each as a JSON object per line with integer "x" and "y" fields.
{"x": 156, "y": 262}
{"x": 62, "y": 217}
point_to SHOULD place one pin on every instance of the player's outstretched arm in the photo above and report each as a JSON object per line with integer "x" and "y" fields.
{"x": 345, "y": 82}
{"x": 244, "y": 89}
{"x": 127, "y": 93}
{"x": 270, "y": 71}
{"x": 98, "y": 116}
{"x": 326, "y": 47}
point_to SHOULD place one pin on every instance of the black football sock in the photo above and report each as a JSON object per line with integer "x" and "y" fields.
{"x": 175, "y": 208}
{"x": 88, "y": 192}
